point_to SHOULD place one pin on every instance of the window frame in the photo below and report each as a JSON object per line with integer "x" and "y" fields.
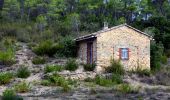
{"x": 123, "y": 52}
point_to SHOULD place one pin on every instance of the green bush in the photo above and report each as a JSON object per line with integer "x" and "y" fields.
{"x": 10, "y": 94}
{"x": 103, "y": 81}
{"x": 71, "y": 65}
{"x": 23, "y": 72}
{"x": 38, "y": 60}
{"x": 52, "y": 68}
{"x": 141, "y": 72}
{"x": 126, "y": 88}
{"x": 164, "y": 59}
{"x": 46, "y": 48}
{"x": 5, "y": 77}
{"x": 67, "y": 47}
{"x": 22, "y": 87}
{"x": 45, "y": 83}
{"x": 7, "y": 57}
{"x": 89, "y": 67}
{"x": 115, "y": 67}
{"x": 57, "y": 80}
{"x": 117, "y": 79}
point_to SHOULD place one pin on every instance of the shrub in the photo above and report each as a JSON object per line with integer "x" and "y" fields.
{"x": 10, "y": 94}
{"x": 45, "y": 83}
{"x": 126, "y": 88}
{"x": 57, "y": 80}
{"x": 68, "y": 47}
{"x": 117, "y": 79}
{"x": 23, "y": 72}
{"x": 88, "y": 79}
{"x": 52, "y": 68}
{"x": 46, "y": 48}
{"x": 142, "y": 72}
{"x": 89, "y": 67}
{"x": 103, "y": 81}
{"x": 22, "y": 87}
{"x": 5, "y": 77}
{"x": 71, "y": 65}
{"x": 115, "y": 67}
{"x": 7, "y": 57}
{"x": 164, "y": 59}
{"x": 38, "y": 60}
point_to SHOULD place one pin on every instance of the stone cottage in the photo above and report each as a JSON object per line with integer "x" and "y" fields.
{"x": 123, "y": 42}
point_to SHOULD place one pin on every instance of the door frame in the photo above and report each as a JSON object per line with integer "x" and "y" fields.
{"x": 89, "y": 52}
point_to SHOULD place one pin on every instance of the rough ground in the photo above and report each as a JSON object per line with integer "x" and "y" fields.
{"x": 82, "y": 91}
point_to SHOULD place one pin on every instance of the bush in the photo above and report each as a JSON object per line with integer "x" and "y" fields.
{"x": 22, "y": 87}
{"x": 117, "y": 79}
{"x": 38, "y": 60}
{"x": 89, "y": 67}
{"x": 23, "y": 72}
{"x": 115, "y": 67}
{"x": 46, "y": 48}
{"x": 7, "y": 57}
{"x": 141, "y": 72}
{"x": 164, "y": 59}
{"x": 71, "y": 65}
{"x": 57, "y": 80}
{"x": 68, "y": 47}
{"x": 10, "y": 94}
{"x": 5, "y": 77}
{"x": 103, "y": 81}
{"x": 45, "y": 83}
{"x": 126, "y": 88}
{"x": 52, "y": 68}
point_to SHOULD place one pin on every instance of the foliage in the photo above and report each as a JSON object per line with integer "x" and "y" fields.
{"x": 53, "y": 68}
{"x": 7, "y": 57}
{"x": 103, "y": 81}
{"x": 164, "y": 59}
{"x": 142, "y": 72}
{"x": 46, "y": 48}
{"x": 115, "y": 67}
{"x": 22, "y": 87}
{"x": 38, "y": 60}
{"x": 23, "y": 72}
{"x": 89, "y": 67}
{"x": 71, "y": 65}
{"x": 5, "y": 77}
{"x": 117, "y": 79}
{"x": 126, "y": 88}
{"x": 69, "y": 47}
{"x": 10, "y": 94}
{"x": 156, "y": 54}
{"x": 57, "y": 80}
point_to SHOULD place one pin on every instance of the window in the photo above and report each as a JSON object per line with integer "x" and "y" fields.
{"x": 124, "y": 53}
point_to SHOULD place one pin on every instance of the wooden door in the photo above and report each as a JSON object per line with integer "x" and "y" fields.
{"x": 90, "y": 53}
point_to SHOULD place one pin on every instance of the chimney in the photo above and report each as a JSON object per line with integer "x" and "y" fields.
{"x": 105, "y": 25}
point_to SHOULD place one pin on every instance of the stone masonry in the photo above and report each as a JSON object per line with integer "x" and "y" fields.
{"x": 108, "y": 42}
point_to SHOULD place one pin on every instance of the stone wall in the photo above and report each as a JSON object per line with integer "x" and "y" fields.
{"x": 108, "y": 44}
{"x": 82, "y": 51}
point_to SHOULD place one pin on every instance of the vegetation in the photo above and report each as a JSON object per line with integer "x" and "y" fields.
{"x": 38, "y": 60}
{"x": 89, "y": 67}
{"x": 126, "y": 88}
{"x": 115, "y": 67}
{"x": 71, "y": 65}
{"x": 22, "y": 87}
{"x": 23, "y": 72}
{"x": 10, "y": 94}
{"x": 53, "y": 68}
{"x": 57, "y": 80}
{"x": 5, "y": 77}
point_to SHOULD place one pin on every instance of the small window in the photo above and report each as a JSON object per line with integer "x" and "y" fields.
{"x": 124, "y": 53}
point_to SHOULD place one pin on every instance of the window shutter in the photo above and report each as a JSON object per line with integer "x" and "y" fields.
{"x": 128, "y": 53}
{"x": 120, "y": 54}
